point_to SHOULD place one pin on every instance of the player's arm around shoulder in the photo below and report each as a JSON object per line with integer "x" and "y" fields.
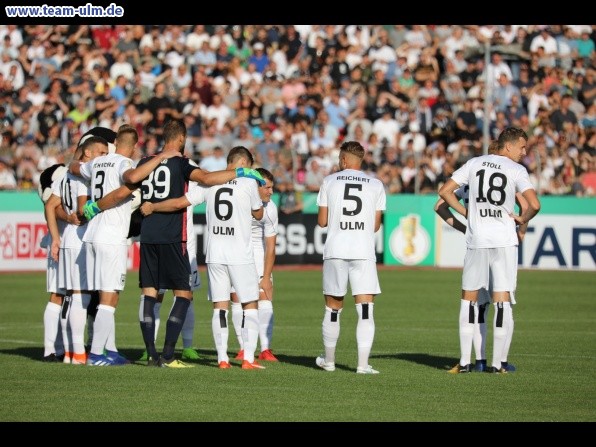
{"x": 146, "y": 166}
{"x": 116, "y": 197}
{"x": 167, "y": 206}
{"x": 257, "y": 208}
{"x": 207, "y": 178}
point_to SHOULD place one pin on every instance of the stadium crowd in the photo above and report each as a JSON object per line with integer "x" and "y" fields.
{"x": 412, "y": 95}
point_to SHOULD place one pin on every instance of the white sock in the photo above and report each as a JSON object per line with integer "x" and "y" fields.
{"x": 265, "y": 323}
{"x": 219, "y": 327}
{"x": 65, "y": 327}
{"x": 77, "y": 319}
{"x": 51, "y": 323}
{"x": 156, "y": 310}
{"x": 468, "y": 314}
{"x": 479, "y": 339}
{"x": 188, "y": 327}
{"x": 237, "y": 316}
{"x": 365, "y": 332}
{"x": 111, "y": 341}
{"x": 250, "y": 333}
{"x": 502, "y": 332}
{"x": 505, "y": 354}
{"x": 331, "y": 327}
{"x": 141, "y": 308}
{"x": 103, "y": 327}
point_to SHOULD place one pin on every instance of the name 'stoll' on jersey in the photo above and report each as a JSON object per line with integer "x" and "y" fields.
{"x": 229, "y": 221}
{"x": 352, "y": 199}
{"x": 168, "y": 181}
{"x": 105, "y": 175}
{"x": 69, "y": 190}
{"x": 492, "y": 182}
{"x": 266, "y": 227}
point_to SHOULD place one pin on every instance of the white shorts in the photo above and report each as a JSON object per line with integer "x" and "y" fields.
{"x": 106, "y": 266}
{"x": 259, "y": 256}
{"x": 491, "y": 268}
{"x": 195, "y": 277}
{"x": 259, "y": 261}
{"x": 360, "y": 273}
{"x": 73, "y": 269}
{"x": 52, "y": 277}
{"x": 243, "y": 278}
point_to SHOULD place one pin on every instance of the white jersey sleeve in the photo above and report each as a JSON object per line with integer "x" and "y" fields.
{"x": 492, "y": 182}
{"x": 85, "y": 169}
{"x": 57, "y": 191}
{"x": 199, "y": 193}
{"x": 110, "y": 226}
{"x": 229, "y": 221}
{"x": 72, "y": 188}
{"x": 196, "y": 193}
{"x": 266, "y": 227}
{"x": 352, "y": 199}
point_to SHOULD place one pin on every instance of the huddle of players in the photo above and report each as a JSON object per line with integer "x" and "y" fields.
{"x": 64, "y": 195}
{"x": 112, "y": 178}
{"x": 492, "y": 235}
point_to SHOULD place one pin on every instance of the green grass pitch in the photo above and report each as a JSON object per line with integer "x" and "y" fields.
{"x": 554, "y": 350}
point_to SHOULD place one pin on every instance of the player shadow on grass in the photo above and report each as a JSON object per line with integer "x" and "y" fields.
{"x": 208, "y": 357}
{"x": 306, "y": 361}
{"x": 32, "y": 352}
{"x": 433, "y": 361}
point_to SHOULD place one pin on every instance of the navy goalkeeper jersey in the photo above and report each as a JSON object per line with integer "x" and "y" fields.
{"x": 168, "y": 181}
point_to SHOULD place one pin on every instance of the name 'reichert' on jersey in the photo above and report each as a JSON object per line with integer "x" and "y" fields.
{"x": 352, "y": 199}
{"x": 492, "y": 182}
{"x": 229, "y": 222}
{"x": 105, "y": 175}
{"x": 169, "y": 180}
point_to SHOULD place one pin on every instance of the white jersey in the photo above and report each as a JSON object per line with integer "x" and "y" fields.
{"x": 352, "y": 199}
{"x": 229, "y": 222}
{"x": 266, "y": 227}
{"x": 191, "y": 237}
{"x": 56, "y": 191}
{"x": 492, "y": 182}
{"x": 105, "y": 172}
{"x": 69, "y": 190}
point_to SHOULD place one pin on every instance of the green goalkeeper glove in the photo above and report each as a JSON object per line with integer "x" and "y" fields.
{"x": 90, "y": 210}
{"x": 250, "y": 173}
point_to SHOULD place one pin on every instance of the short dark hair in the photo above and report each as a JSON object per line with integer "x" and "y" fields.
{"x": 173, "y": 129}
{"x": 239, "y": 152}
{"x": 127, "y": 135}
{"x": 511, "y": 134}
{"x": 354, "y": 148}
{"x": 267, "y": 175}
{"x": 87, "y": 143}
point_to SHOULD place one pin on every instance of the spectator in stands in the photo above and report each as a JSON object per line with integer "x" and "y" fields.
{"x": 7, "y": 178}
